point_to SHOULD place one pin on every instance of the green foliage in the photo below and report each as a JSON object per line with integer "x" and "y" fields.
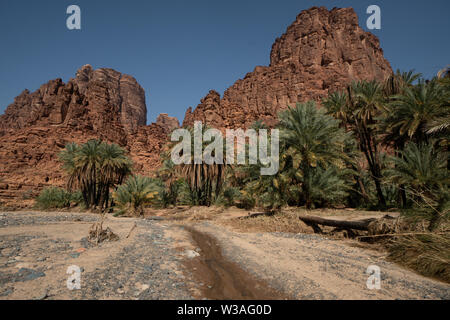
{"x": 57, "y": 198}
{"x": 94, "y": 168}
{"x": 336, "y": 155}
{"x": 136, "y": 193}
{"x": 422, "y": 170}
{"x": 417, "y": 111}
{"x": 229, "y": 197}
{"x": 315, "y": 155}
{"x": 204, "y": 181}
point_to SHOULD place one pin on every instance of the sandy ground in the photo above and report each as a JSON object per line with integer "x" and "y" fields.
{"x": 36, "y": 249}
{"x": 307, "y": 266}
{"x": 189, "y": 259}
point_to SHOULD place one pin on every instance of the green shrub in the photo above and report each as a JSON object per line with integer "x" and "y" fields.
{"x": 137, "y": 192}
{"x": 228, "y": 197}
{"x": 57, "y": 198}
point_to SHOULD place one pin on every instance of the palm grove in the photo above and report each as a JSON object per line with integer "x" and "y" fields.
{"x": 374, "y": 145}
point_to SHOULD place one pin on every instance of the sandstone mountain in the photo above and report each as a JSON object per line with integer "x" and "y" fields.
{"x": 101, "y": 103}
{"x": 321, "y": 51}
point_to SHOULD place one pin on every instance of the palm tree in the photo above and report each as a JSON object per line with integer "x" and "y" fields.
{"x": 337, "y": 105}
{"x": 397, "y": 82}
{"x": 137, "y": 192}
{"x": 423, "y": 172}
{"x": 366, "y": 102}
{"x": 313, "y": 142}
{"x": 94, "y": 168}
{"x": 411, "y": 113}
{"x": 115, "y": 166}
{"x": 205, "y": 181}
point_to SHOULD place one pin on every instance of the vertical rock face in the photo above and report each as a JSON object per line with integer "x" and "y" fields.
{"x": 167, "y": 123}
{"x": 98, "y": 99}
{"x": 96, "y": 104}
{"x": 321, "y": 52}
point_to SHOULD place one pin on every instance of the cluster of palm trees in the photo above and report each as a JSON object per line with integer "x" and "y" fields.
{"x": 200, "y": 183}
{"x": 374, "y": 144}
{"x": 95, "y": 168}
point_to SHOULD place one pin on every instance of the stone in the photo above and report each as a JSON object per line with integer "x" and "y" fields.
{"x": 167, "y": 123}
{"x": 191, "y": 254}
{"x": 25, "y": 274}
{"x": 321, "y": 52}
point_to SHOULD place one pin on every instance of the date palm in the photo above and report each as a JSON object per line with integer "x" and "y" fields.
{"x": 366, "y": 103}
{"x": 205, "y": 181}
{"x": 137, "y": 192}
{"x": 313, "y": 142}
{"x": 411, "y": 113}
{"x": 422, "y": 171}
{"x": 397, "y": 82}
{"x": 94, "y": 168}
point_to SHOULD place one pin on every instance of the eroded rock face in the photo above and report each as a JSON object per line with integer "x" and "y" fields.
{"x": 167, "y": 123}
{"x": 96, "y": 99}
{"x": 321, "y": 52}
{"x": 97, "y": 104}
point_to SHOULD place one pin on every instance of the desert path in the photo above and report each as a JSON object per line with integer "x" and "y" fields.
{"x": 168, "y": 260}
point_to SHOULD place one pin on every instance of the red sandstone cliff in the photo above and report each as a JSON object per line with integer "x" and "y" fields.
{"x": 101, "y": 104}
{"x": 321, "y": 51}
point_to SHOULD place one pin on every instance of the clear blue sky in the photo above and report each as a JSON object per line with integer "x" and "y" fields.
{"x": 180, "y": 49}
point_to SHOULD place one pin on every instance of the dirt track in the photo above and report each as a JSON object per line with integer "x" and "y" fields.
{"x": 162, "y": 260}
{"x": 307, "y": 266}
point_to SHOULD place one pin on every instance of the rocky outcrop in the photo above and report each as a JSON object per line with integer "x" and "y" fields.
{"x": 95, "y": 99}
{"x": 96, "y": 104}
{"x": 167, "y": 123}
{"x": 321, "y": 51}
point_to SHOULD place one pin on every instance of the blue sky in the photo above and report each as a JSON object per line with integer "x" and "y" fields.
{"x": 178, "y": 50}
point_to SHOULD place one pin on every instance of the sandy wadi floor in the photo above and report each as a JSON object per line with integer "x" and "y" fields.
{"x": 192, "y": 256}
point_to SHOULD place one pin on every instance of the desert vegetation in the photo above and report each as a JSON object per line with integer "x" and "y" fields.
{"x": 372, "y": 146}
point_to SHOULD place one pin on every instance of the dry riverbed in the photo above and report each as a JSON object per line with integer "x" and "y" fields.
{"x": 188, "y": 258}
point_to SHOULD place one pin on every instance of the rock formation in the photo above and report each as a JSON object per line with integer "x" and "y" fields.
{"x": 94, "y": 99}
{"x": 168, "y": 123}
{"x": 96, "y": 104}
{"x": 321, "y": 51}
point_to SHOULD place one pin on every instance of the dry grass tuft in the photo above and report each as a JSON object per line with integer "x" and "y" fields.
{"x": 287, "y": 222}
{"x": 428, "y": 254}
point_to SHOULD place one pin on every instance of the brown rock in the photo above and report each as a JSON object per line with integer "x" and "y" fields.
{"x": 321, "y": 52}
{"x": 167, "y": 123}
{"x": 96, "y": 99}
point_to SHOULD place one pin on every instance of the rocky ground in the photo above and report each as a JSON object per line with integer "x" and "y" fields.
{"x": 312, "y": 267}
{"x": 176, "y": 259}
{"x": 37, "y": 248}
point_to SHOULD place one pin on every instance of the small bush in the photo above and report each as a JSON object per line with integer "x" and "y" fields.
{"x": 57, "y": 198}
{"x": 137, "y": 192}
{"x": 228, "y": 197}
